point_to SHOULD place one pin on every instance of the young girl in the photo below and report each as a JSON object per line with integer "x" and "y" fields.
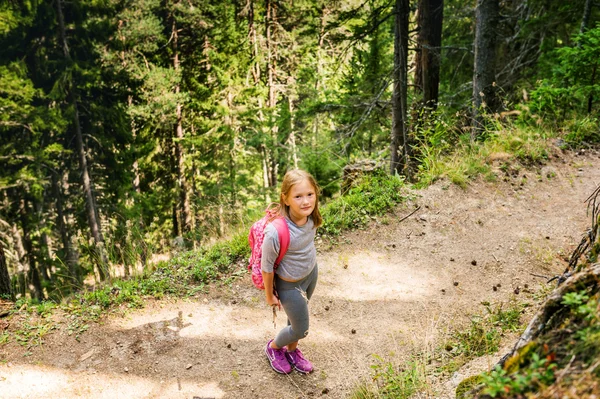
{"x": 296, "y": 277}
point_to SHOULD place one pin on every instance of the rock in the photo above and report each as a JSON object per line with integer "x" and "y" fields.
{"x": 353, "y": 331}
{"x": 456, "y": 283}
{"x": 189, "y": 366}
{"x": 87, "y": 355}
{"x": 126, "y": 369}
{"x": 474, "y": 262}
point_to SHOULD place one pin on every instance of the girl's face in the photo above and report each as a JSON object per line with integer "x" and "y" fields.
{"x": 301, "y": 199}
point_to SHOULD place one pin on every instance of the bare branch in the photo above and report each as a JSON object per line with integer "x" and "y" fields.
{"x": 16, "y": 124}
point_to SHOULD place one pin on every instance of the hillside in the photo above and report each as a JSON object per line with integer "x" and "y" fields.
{"x": 399, "y": 288}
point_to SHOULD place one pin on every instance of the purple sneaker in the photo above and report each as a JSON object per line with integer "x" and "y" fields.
{"x": 278, "y": 359}
{"x": 297, "y": 360}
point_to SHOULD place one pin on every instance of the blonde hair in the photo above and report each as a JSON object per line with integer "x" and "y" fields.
{"x": 292, "y": 178}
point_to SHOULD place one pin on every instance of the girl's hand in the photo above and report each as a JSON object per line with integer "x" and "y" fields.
{"x": 272, "y": 300}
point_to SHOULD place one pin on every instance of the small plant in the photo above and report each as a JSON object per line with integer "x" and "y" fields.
{"x": 4, "y": 338}
{"x": 539, "y": 372}
{"x": 399, "y": 382}
{"x": 32, "y": 334}
{"x": 507, "y": 320}
{"x": 480, "y": 339}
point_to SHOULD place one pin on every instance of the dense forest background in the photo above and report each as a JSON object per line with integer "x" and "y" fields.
{"x": 131, "y": 127}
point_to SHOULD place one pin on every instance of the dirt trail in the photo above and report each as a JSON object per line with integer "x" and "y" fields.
{"x": 386, "y": 290}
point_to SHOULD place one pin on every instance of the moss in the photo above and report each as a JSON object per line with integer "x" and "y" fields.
{"x": 515, "y": 362}
{"x": 466, "y": 386}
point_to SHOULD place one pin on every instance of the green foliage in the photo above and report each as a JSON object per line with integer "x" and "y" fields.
{"x": 572, "y": 348}
{"x": 468, "y": 160}
{"x": 582, "y": 131}
{"x": 506, "y": 320}
{"x": 540, "y": 372}
{"x": 574, "y": 86}
{"x": 327, "y": 172}
{"x": 32, "y": 334}
{"x": 392, "y": 382}
{"x": 374, "y": 196}
{"x": 478, "y": 340}
{"x": 466, "y": 385}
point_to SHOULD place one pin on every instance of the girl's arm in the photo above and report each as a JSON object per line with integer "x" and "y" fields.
{"x": 272, "y": 300}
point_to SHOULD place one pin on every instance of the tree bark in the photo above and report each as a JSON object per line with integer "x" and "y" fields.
{"x": 33, "y": 274}
{"x": 270, "y": 20}
{"x": 399, "y": 144}
{"x": 21, "y": 265}
{"x": 5, "y": 286}
{"x": 91, "y": 211}
{"x": 46, "y": 243}
{"x": 484, "y": 76}
{"x": 186, "y": 214}
{"x": 70, "y": 258}
{"x": 429, "y": 41}
{"x": 292, "y": 138}
{"x": 587, "y": 12}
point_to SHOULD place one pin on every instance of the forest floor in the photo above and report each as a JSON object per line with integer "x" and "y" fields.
{"x": 392, "y": 290}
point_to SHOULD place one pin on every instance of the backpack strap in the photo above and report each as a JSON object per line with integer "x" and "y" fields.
{"x": 283, "y": 232}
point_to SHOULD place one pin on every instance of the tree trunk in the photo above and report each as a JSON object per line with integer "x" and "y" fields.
{"x": 319, "y": 83}
{"x": 587, "y": 12}
{"x": 91, "y": 211}
{"x": 292, "y": 138}
{"x": 46, "y": 243}
{"x": 21, "y": 265}
{"x": 33, "y": 274}
{"x": 254, "y": 43}
{"x": 429, "y": 41}
{"x": 256, "y": 75}
{"x": 70, "y": 259}
{"x": 5, "y": 287}
{"x": 265, "y": 175}
{"x": 484, "y": 76}
{"x": 270, "y": 20}
{"x": 399, "y": 144}
{"x": 186, "y": 215}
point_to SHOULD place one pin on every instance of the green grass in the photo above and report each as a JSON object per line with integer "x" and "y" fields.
{"x": 393, "y": 382}
{"x": 481, "y": 337}
{"x": 374, "y": 196}
{"x": 467, "y": 159}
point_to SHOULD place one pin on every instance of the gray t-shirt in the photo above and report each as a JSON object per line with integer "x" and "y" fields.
{"x": 301, "y": 256}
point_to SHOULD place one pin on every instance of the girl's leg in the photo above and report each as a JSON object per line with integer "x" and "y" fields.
{"x": 296, "y": 308}
{"x": 294, "y": 299}
{"x": 308, "y": 287}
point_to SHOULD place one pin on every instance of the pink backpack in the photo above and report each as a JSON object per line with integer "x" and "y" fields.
{"x": 256, "y": 238}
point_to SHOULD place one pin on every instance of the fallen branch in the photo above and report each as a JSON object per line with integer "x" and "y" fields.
{"x": 409, "y": 215}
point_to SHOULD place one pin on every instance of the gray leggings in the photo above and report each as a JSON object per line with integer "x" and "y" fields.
{"x": 295, "y": 304}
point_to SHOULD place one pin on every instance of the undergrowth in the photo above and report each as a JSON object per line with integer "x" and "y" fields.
{"x": 401, "y": 381}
